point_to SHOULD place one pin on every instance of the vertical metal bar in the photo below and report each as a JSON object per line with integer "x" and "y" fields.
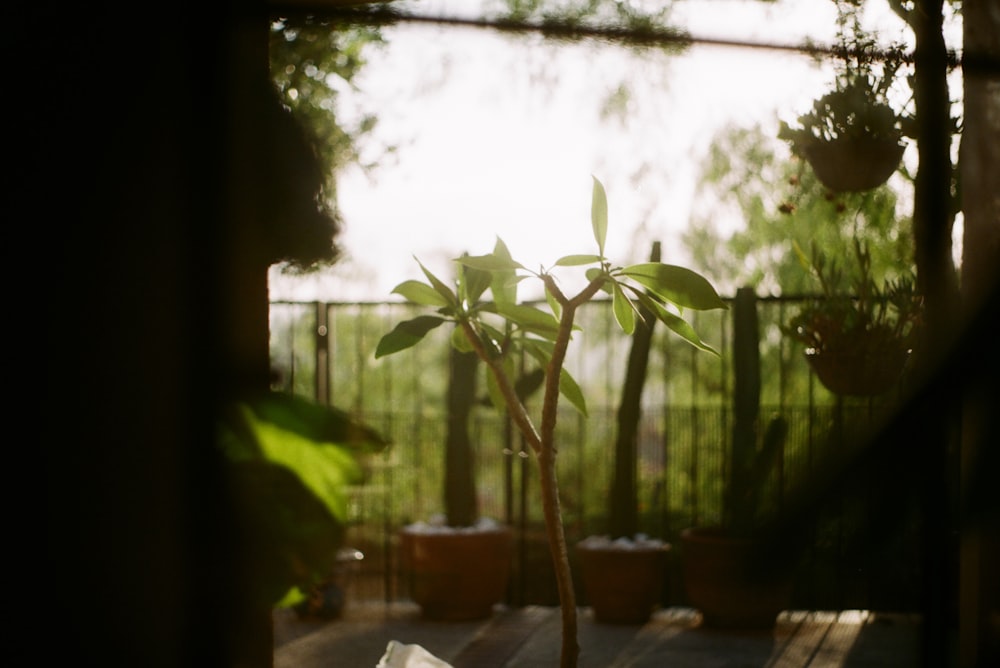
{"x": 322, "y": 352}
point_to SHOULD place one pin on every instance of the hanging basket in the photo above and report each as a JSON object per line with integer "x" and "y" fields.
{"x": 849, "y": 164}
{"x": 860, "y": 372}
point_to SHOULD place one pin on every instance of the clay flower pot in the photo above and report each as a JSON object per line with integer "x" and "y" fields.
{"x": 457, "y": 574}
{"x": 623, "y": 579}
{"x": 723, "y": 580}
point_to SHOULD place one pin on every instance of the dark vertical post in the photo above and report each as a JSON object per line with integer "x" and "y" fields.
{"x": 746, "y": 403}
{"x": 624, "y": 501}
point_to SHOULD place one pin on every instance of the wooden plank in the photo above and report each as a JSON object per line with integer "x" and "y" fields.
{"x": 808, "y": 629}
{"x": 495, "y": 643}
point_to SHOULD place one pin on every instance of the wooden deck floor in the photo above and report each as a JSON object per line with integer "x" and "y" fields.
{"x": 529, "y": 638}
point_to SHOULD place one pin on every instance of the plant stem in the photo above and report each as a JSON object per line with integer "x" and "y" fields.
{"x": 547, "y": 467}
{"x": 544, "y": 446}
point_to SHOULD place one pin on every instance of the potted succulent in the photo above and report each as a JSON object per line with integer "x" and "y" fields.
{"x": 858, "y": 335}
{"x": 494, "y": 329}
{"x": 623, "y": 571}
{"x": 731, "y": 574}
{"x": 851, "y": 136}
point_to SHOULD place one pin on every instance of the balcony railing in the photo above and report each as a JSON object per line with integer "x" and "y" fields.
{"x": 326, "y": 351}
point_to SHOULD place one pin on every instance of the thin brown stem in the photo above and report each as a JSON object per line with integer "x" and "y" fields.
{"x": 517, "y": 410}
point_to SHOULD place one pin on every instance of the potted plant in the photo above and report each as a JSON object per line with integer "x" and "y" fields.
{"x": 458, "y": 565}
{"x": 545, "y": 335}
{"x": 730, "y": 572}
{"x": 623, "y": 571}
{"x": 852, "y": 136}
{"x": 290, "y": 462}
{"x": 858, "y": 335}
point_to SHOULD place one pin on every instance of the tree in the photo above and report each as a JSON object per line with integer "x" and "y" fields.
{"x": 780, "y": 202}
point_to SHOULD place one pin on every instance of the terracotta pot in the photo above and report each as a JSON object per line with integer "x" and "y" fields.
{"x": 850, "y": 165}
{"x": 862, "y": 373}
{"x": 457, "y": 575}
{"x": 724, "y": 581}
{"x": 623, "y": 586}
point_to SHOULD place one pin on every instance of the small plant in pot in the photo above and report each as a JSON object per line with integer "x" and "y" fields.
{"x": 852, "y": 137}
{"x": 623, "y": 571}
{"x": 731, "y": 573}
{"x": 459, "y": 564}
{"x": 497, "y": 328}
{"x": 858, "y": 335}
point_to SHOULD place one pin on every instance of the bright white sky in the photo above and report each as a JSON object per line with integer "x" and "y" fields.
{"x": 499, "y": 136}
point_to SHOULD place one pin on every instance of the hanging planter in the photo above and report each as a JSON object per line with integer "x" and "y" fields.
{"x": 851, "y": 136}
{"x": 858, "y": 337}
{"x": 853, "y": 164}
{"x": 865, "y": 372}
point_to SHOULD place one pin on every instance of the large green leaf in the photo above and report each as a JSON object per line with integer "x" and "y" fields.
{"x": 324, "y": 424}
{"x": 530, "y": 319}
{"x": 420, "y": 293}
{"x": 623, "y": 309}
{"x": 676, "y": 324}
{"x": 599, "y": 214}
{"x": 407, "y": 334}
{"x": 677, "y": 285}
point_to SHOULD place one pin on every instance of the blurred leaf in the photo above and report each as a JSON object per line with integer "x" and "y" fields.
{"x": 451, "y": 299}
{"x": 599, "y": 214}
{"x": 407, "y": 334}
{"x": 577, "y": 260}
{"x": 420, "y": 293}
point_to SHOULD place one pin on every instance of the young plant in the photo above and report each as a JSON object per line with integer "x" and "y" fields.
{"x": 499, "y": 329}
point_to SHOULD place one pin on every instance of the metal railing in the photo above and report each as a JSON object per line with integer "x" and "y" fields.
{"x": 326, "y": 351}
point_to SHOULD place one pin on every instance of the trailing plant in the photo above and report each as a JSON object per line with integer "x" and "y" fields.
{"x": 497, "y": 328}
{"x": 858, "y": 106}
{"x": 855, "y": 317}
{"x": 854, "y": 312}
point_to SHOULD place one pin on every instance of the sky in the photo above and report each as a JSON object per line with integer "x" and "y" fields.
{"x": 500, "y": 136}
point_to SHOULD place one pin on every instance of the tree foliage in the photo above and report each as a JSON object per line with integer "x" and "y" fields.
{"x": 312, "y": 63}
{"x": 780, "y": 203}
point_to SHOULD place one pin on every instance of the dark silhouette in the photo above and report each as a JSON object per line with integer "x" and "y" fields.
{"x": 173, "y": 179}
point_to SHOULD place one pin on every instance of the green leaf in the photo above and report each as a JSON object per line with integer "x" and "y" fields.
{"x": 569, "y": 388}
{"x": 577, "y": 260}
{"x": 623, "y": 308}
{"x": 677, "y": 285}
{"x": 676, "y": 324}
{"x": 599, "y": 214}
{"x": 460, "y": 341}
{"x": 553, "y": 304}
{"x": 420, "y": 293}
{"x": 593, "y": 273}
{"x": 451, "y": 299}
{"x": 472, "y": 283}
{"x": 491, "y": 262}
{"x": 406, "y": 334}
{"x": 530, "y": 319}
